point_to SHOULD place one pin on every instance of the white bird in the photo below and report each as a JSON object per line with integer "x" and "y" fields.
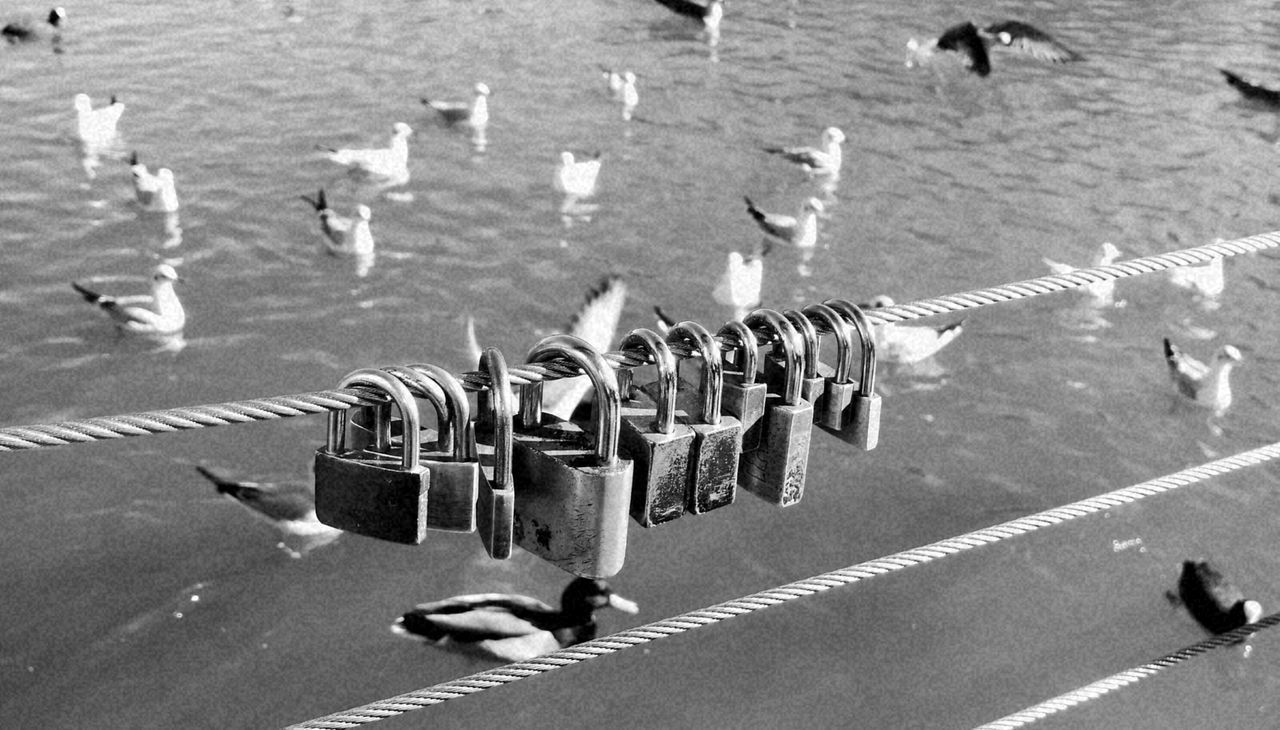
{"x": 624, "y": 90}
{"x": 1101, "y": 294}
{"x": 474, "y": 113}
{"x": 158, "y": 313}
{"x": 823, "y": 160}
{"x": 25, "y": 29}
{"x": 905, "y": 345}
{"x": 1206, "y": 280}
{"x": 739, "y": 285}
{"x": 801, "y": 231}
{"x": 1206, "y": 385}
{"x": 577, "y": 179}
{"x": 390, "y": 163}
{"x": 97, "y": 126}
{"x": 596, "y": 322}
{"x": 155, "y": 192}
{"x": 290, "y": 506}
{"x": 343, "y": 236}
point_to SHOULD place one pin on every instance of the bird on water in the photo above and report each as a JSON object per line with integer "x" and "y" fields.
{"x": 1212, "y": 600}
{"x": 972, "y": 43}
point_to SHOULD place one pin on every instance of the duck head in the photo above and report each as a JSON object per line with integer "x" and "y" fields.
{"x": 583, "y": 596}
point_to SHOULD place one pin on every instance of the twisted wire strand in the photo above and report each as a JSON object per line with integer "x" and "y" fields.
{"x": 1123, "y": 679}
{"x": 109, "y": 427}
{"x": 480, "y": 681}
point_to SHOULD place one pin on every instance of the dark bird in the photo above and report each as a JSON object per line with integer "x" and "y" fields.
{"x": 511, "y": 627}
{"x": 1251, "y": 90}
{"x": 474, "y": 112}
{"x": 291, "y": 507}
{"x": 25, "y": 29}
{"x": 709, "y": 13}
{"x": 1212, "y": 600}
{"x": 1205, "y": 384}
{"x": 973, "y": 44}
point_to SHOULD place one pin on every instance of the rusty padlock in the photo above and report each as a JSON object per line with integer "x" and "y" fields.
{"x": 741, "y": 396}
{"x": 812, "y": 385}
{"x": 835, "y": 410}
{"x": 775, "y": 472}
{"x": 448, "y": 451}
{"x": 573, "y": 491}
{"x": 862, "y": 429}
{"x": 368, "y": 491}
{"x": 658, "y": 446}
{"x": 717, "y": 439}
{"x": 495, "y": 507}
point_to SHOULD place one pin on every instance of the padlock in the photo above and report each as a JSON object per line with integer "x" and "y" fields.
{"x": 717, "y": 439}
{"x": 495, "y": 508}
{"x": 367, "y": 491}
{"x": 835, "y": 410}
{"x": 775, "y": 472}
{"x": 862, "y": 429}
{"x": 812, "y": 385}
{"x": 448, "y": 452}
{"x": 573, "y": 491}
{"x": 658, "y": 446}
{"x": 741, "y": 396}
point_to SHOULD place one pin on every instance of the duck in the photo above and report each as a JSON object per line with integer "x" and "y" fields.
{"x": 973, "y": 43}
{"x": 25, "y": 29}
{"x": 800, "y": 231}
{"x": 343, "y": 236}
{"x": 1207, "y": 280}
{"x": 739, "y": 286}
{"x": 155, "y": 192}
{"x": 158, "y": 313}
{"x": 825, "y": 159}
{"x": 905, "y": 345}
{"x": 1252, "y": 90}
{"x": 389, "y": 163}
{"x": 97, "y": 126}
{"x": 474, "y": 113}
{"x": 577, "y": 178}
{"x": 289, "y": 506}
{"x": 709, "y": 13}
{"x": 1206, "y": 385}
{"x": 1101, "y": 294}
{"x": 509, "y": 627}
{"x": 1215, "y": 603}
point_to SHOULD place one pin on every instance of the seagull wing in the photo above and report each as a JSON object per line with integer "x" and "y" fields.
{"x": 1030, "y": 40}
{"x": 964, "y": 39}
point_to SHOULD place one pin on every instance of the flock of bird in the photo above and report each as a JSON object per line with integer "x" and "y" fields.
{"x": 511, "y": 627}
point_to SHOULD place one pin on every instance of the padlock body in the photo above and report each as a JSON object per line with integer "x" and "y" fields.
{"x": 863, "y": 427}
{"x": 570, "y": 510}
{"x": 836, "y": 410}
{"x": 812, "y": 389}
{"x": 371, "y": 494}
{"x": 660, "y": 462}
{"x": 495, "y": 506}
{"x": 713, "y": 478}
{"x": 776, "y": 471}
{"x": 451, "y": 497}
{"x": 745, "y": 402}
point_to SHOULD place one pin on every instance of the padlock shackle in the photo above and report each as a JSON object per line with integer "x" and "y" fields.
{"x": 747, "y": 344}
{"x": 711, "y": 382}
{"x": 453, "y": 408}
{"x": 400, "y": 395}
{"x": 495, "y": 366}
{"x": 423, "y": 387}
{"x": 839, "y": 328}
{"x": 783, "y": 333}
{"x": 607, "y": 410}
{"x": 657, "y": 352}
{"x": 854, "y": 314}
{"x": 809, "y": 335}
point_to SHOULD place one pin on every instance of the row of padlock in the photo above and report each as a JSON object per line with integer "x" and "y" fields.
{"x": 520, "y": 476}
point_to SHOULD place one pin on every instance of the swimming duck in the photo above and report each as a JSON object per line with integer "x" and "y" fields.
{"x": 390, "y": 162}
{"x": 905, "y": 345}
{"x": 576, "y": 178}
{"x": 1214, "y": 601}
{"x": 1252, "y": 90}
{"x": 159, "y": 312}
{"x": 800, "y": 231}
{"x": 1101, "y": 294}
{"x": 25, "y": 29}
{"x": 1205, "y": 385}
{"x": 973, "y": 42}
{"x": 97, "y": 126}
{"x": 823, "y": 160}
{"x": 290, "y": 507}
{"x": 512, "y": 628}
{"x": 343, "y": 236}
{"x": 709, "y": 13}
{"x": 474, "y": 113}
{"x": 155, "y": 192}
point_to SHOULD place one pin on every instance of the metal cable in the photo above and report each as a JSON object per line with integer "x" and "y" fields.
{"x": 176, "y": 419}
{"x": 1129, "y": 676}
{"x": 705, "y": 617}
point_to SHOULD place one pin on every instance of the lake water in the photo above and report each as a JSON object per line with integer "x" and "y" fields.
{"x": 131, "y": 595}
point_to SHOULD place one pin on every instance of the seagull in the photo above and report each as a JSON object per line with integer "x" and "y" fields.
{"x": 709, "y": 13}
{"x": 291, "y": 507}
{"x": 739, "y": 285}
{"x": 824, "y": 160}
{"x": 391, "y": 162}
{"x": 801, "y": 231}
{"x": 1214, "y": 602}
{"x": 155, "y": 192}
{"x": 1252, "y": 90}
{"x": 905, "y": 345}
{"x": 972, "y": 42}
{"x": 577, "y": 179}
{"x": 625, "y": 92}
{"x": 474, "y": 113}
{"x": 1101, "y": 294}
{"x": 596, "y": 322}
{"x": 157, "y": 313}
{"x": 97, "y": 126}
{"x": 343, "y": 236}
{"x": 1206, "y": 385}
{"x": 24, "y": 29}
{"x": 1206, "y": 280}
{"x": 512, "y": 628}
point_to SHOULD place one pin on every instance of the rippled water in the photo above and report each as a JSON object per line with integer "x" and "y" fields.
{"x": 132, "y": 596}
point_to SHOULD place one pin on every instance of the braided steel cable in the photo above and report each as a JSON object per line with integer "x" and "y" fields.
{"x": 177, "y": 419}
{"x": 720, "y": 612}
{"x": 1123, "y": 679}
